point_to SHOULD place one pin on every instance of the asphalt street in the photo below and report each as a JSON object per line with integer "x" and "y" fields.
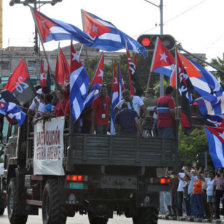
{"x": 83, "y": 219}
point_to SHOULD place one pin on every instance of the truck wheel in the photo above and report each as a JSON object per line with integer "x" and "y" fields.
{"x": 146, "y": 216}
{"x": 96, "y": 220}
{"x": 52, "y": 211}
{"x": 14, "y": 204}
{"x": 2, "y": 211}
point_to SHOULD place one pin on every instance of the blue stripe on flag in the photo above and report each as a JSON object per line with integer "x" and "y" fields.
{"x": 79, "y": 84}
{"x": 216, "y": 150}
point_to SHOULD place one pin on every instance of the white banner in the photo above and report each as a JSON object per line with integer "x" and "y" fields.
{"x": 49, "y": 147}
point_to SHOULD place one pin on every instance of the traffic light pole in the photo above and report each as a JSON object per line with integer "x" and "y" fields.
{"x": 161, "y": 33}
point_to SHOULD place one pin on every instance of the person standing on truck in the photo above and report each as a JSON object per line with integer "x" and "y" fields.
{"x": 99, "y": 115}
{"x": 128, "y": 121}
{"x": 165, "y": 107}
{"x": 133, "y": 102}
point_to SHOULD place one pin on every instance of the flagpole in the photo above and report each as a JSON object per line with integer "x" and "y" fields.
{"x": 153, "y": 58}
{"x": 51, "y": 74}
{"x": 42, "y": 44}
{"x": 217, "y": 68}
{"x": 177, "y": 100}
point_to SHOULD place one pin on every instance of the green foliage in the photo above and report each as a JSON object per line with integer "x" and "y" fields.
{"x": 190, "y": 145}
{"x": 142, "y": 70}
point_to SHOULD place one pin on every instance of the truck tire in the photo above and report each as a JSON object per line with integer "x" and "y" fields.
{"x": 96, "y": 220}
{"x": 14, "y": 204}
{"x": 52, "y": 211}
{"x": 146, "y": 216}
{"x": 2, "y": 211}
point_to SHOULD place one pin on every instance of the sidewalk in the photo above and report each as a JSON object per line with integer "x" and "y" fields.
{"x": 221, "y": 221}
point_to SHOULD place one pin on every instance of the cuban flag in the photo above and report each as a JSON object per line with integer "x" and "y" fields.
{"x": 216, "y": 145}
{"x": 7, "y": 96}
{"x": 163, "y": 61}
{"x": 121, "y": 82}
{"x": 107, "y": 37}
{"x": 79, "y": 84}
{"x": 96, "y": 83}
{"x": 115, "y": 99}
{"x": 210, "y": 108}
{"x": 215, "y": 121}
{"x": 52, "y": 29}
{"x": 135, "y": 88}
{"x": 12, "y": 112}
{"x": 43, "y": 76}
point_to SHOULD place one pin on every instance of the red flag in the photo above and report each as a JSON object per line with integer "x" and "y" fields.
{"x": 131, "y": 70}
{"x": 62, "y": 70}
{"x": 185, "y": 89}
{"x": 134, "y": 86}
{"x": 98, "y": 76}
{"x": 20, "y": 85}
{"x": 163, "y": 61}
{"x": 43, "y": 77}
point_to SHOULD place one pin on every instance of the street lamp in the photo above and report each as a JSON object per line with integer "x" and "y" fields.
{"x": 35, "y": 2}
{"x": 161, "y": 33}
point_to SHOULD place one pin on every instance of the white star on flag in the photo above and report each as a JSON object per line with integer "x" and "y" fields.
{"x": 163, "y": 57}
{"x": 75, "y": 57}
{"x": 101, "y": 73}
{"x": 42, "y": 76}
{"x": 222, "y": 135}
{"x": 95, "y": 28}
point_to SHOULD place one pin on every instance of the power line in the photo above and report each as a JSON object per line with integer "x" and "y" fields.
{"x": 173, "y": 18}
{"x": 184, "y": 12}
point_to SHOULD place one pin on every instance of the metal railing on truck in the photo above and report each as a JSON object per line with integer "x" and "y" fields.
{"x": 121, "y": 150}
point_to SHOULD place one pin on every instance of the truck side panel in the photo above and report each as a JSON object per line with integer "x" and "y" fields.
{"x": 117, "y": 150}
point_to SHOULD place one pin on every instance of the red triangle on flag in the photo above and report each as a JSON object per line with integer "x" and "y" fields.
{"x": 92, "y": 26}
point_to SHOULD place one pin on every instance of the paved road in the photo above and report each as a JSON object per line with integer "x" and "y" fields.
{"x": 82, "y": 219}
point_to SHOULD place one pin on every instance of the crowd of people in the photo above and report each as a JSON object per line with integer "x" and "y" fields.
{"x": 134, "y": 115}
{"x": 200, "y": 191}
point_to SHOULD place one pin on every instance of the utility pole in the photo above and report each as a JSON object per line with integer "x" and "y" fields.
{"x": 160, "y": 6}
{"x": 36, "y": 45}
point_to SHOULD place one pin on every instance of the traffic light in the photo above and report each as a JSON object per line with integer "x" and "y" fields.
{"x": 200, "y": 159}
{"x": 149, "y": 41}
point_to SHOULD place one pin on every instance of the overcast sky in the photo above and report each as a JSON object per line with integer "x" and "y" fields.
{"x": 196, "y": 24}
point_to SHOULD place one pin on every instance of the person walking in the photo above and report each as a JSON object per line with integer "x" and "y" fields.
{"x": 218, "y": 190}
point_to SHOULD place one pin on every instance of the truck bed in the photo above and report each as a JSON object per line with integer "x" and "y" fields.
{"x": 121, "y": 150}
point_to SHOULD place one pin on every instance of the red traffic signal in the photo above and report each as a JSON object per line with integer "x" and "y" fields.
{"x": 149, "y": 41}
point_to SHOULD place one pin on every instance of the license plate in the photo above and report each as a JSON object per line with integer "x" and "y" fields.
{"x": 76, "y": 185}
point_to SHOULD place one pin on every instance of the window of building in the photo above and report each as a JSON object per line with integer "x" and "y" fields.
{"x": 4, "y": 65}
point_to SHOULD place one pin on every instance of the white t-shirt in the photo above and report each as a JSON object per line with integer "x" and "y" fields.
{"x": 137, "y": 102}
{"x": 181, "y": 182}
{"x": 210, "y": 186}
{"x": 33, "y": 104}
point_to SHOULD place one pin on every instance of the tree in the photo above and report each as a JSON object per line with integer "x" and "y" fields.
{"x": 190, "y": 146}
{"x": 219, "y": 62}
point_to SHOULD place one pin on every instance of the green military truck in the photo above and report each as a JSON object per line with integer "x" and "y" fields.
{"x": 2, "y": 191}
{"x": 48, "y": 166}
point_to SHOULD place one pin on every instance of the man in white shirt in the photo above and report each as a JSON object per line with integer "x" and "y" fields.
{"x": 180, "y": 193}
{"x": 133, "y": 102}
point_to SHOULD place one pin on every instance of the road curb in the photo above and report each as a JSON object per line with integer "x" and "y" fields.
{"x": 191, "y": 219}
